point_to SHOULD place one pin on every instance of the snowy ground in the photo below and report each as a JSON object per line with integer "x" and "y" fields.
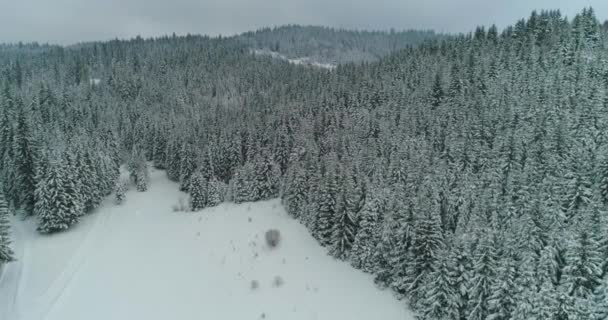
{"x": 299, "y": 61}
{"x": 143, "y": 261}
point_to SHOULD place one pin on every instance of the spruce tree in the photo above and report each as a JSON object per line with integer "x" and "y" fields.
{"x": 198, "y": 192}
{"x": 215, "y": 192}
{"x": 363, "y": 245}
{"x": 294, "y": 198}
{"x": 440, "y": 299}
{"x": 6, "y": 253}
{"x": 60, "y": 208}
{"x": 25, "y": 161}
{"x": 328, "y": 207}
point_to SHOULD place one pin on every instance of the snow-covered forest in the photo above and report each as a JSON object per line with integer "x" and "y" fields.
{"x": 468, "y": 173}
{"x": 327, "y": 45}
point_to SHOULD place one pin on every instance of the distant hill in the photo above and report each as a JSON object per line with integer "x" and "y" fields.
{"x": 333, "y": 46}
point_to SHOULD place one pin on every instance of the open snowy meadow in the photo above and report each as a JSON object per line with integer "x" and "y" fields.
{"x": 142, "y": 260}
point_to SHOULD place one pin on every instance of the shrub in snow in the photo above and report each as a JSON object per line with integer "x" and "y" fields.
{"x": 273, "y": 237}
{"x": 254, "y": 284}
{"x": 182, "y": 205}
{"x": 277, "y": 282}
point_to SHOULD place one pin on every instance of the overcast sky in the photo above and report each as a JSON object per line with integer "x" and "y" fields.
{"x": 71, "y": 21}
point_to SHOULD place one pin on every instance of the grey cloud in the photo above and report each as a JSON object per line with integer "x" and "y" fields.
{"x": 70, "y": 21}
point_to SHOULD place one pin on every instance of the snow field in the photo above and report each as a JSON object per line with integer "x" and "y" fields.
{"x": 141, "y": 260}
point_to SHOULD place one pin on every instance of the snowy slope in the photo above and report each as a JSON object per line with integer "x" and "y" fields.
{"x": 140, "y": 260}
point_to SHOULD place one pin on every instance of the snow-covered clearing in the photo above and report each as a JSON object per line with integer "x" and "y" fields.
{"x": 307, "y": 61}
{"x": 141, "y": 260}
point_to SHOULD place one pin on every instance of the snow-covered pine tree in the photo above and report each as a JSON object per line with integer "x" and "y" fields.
{"x": 60, "y": 206}
{"x": 143, "y": 178}
{"x": 173, "y": 162}
{"x": 6, "y": 253}
{"x": 440, "y": 297}
{"x": 363, "y": 245}
{"x": 294, "y": 197}
{"x": 243, "y": 184}
{"x": 484, "y": 268}
{"x": 120, "y": 191}
{"x": 582, "y": 272}
{"x": 503, "y": 290}
{"x": 328, "y": 206}
{"x": 187, "y": 165}
{"x": 600, "y": 308}
{"x": 138, "y": 170}
{"x": 428, "y": 241}
{"x": 25, "y": 153}
{"x": 215, "y": 192}
{"x": 344, "y": 230}
{"x": 262, "y": 178}
{"x": 198, "y": 192}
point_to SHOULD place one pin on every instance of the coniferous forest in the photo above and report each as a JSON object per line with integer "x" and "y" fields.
{"x": 467, "y": 173}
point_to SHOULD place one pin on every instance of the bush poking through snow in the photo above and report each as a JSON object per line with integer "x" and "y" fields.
{"x": 277, "y": 282}
{"x": 254, "y": 284}
{"x": 273, "y": 237}
{"x": 182, "y": 205}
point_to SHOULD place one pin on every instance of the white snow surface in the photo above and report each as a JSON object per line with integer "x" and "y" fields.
{"x": 307, "y": 61}
{"x": 141, "y": 260}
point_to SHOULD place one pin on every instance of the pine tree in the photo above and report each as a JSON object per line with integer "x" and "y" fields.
{"x": 428, "y": 241}
{"x": 582, "y": 272}
{"x": 138, "y": 169}
{"x": 502, "y": 299}
{"x": 294, "y": 198}
{"x": 25, "y": 160}
{"x": 60, "y": 207}
{"x": 263, "y": 178}
{"x": 198, "y": 192}
{"x": 187, "y": 166}
{"x": 243, "y": 185}
{"x": 215, "y": 192}
{"x": 364, "y": 245}
{"x": 344, "y": 230}
{"x": 142, "y": 178}
{"x": 328, "y": 207}
{"x": 484, "y": 267}
{"x": 600, "y": 309}
{"x": 6, "y": 253}
{"x": 120, "y": 191}
{"x": 440, "y": 300}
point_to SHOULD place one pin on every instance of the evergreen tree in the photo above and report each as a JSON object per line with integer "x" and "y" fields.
{"x": 198, "y": 192}
{"x": 440, "y": 299}
{"x": 294, "y": 198}
{"x": 60, "y": 208}
{"x": 484, "y": 267}
{"x": 363, "y": 245}
{"x": 120, "y": 191}
{"x": 25, "y": 161}
{"x": 215, "y": 192}
{"x": 328, "y": 207}
{"x": 6, "y": 253}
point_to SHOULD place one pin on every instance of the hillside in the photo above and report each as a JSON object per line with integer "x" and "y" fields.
{"x": 467, "y": 175}
{"x": 333, "y": 46}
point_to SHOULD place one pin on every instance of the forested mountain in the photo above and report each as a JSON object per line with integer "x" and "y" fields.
{"x": 468, "y": 174}
{"x": 333, "y": 46}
